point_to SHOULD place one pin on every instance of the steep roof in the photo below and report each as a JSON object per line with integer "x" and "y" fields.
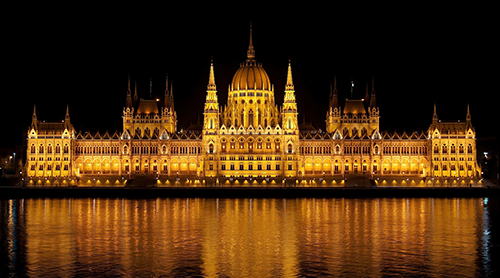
{"x": 354, "y": 106}
{"x": 147, "y": 107}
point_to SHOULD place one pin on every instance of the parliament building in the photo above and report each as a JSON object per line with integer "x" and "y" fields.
{"x": 252, "y": 141}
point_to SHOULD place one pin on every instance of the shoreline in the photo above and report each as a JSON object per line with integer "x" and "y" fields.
{"x": 246, "y": 192}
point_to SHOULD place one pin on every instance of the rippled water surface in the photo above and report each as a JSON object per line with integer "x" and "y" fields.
{"x": 249, "y": 237}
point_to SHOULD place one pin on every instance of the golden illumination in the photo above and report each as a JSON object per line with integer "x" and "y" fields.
{"x": 353, "y": 145}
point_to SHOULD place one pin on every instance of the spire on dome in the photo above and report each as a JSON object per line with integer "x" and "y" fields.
{"x": 251, "y": 51}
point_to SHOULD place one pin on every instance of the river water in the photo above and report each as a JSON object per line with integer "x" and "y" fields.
{"x": 455, "y": 237}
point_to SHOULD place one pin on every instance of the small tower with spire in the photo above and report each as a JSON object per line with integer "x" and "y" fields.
{"x": 169, "y": 116}
{"x": 128, "y": 110}
{"x": 211, "y": 112}
{"x": 333, "y": 113}
{"x": 373, "y": 110}
{"x": 210, "y": 127}
{"x": 289, "y": 110}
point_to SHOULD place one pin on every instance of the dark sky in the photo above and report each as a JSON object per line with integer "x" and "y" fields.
{"x": 418, "y": 57}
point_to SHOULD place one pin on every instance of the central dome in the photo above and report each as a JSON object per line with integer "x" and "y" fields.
{"x": 251, "y": 76}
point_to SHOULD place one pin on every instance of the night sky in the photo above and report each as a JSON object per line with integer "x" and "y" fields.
{"x": 418, "y": 58}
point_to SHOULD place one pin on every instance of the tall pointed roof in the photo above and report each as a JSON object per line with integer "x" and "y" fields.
{"x": 129, "y": 93}
{"x": 289, "y": 81}
{"x": 373, "y": 99}
{"x": 211, "y": 79}
{"x": 334, "y": 99}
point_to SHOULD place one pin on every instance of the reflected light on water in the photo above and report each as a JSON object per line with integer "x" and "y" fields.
{"x": 245, "y": 237}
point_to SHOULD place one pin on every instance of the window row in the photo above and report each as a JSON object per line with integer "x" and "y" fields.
{"x": 452, "y": 148}
{"x": 241, "y": 167}
{"x": 48, "y": 149}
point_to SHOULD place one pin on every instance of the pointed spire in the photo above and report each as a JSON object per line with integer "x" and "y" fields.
{"x": 434, "y": 116}
{"x": 171, "y": 97}
{"x": 33, "y": 118}
{"x": 136, "y": 97}
{"x": 167, "y": 93}
{"x": 373, "y": 99}
{"x": 211, "y": 79}
{"x": 66, "y": 118}
{"x": 367, "y": 96}
{"x": 129, "y": 93}
{"x": 166, "y": 84}
{"x": 150, "y": 88}
{"x": 468, "y": 117}
{"x": 251, "y": 51}
{"x": 334, "y": 100}
{"x": 289, "y": 81}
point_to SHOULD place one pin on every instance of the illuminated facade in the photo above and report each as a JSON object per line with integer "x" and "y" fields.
{"x": 252, "y": 142}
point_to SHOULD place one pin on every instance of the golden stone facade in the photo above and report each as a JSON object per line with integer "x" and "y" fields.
{"x": 250, "y": 142}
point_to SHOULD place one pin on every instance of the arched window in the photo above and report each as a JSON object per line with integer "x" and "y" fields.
{"x": 461, "y": 149}
{"x": 49, "y": 148}
{"x": 469, "y": 148}
{"x": 345, "y": 131}
{"x": 445, "y": 149}
{"x": 289, "y": 123}
{"x": 337, "y": 149}
{"x": 211, "y": 123}
{"x": 164, "y": 149}
{"x": 66, "y": 149}
{"x": 33, "y": 149}
{"x": 40, "y": 149}
{"x": 376, "y": 149}
{"x": 289, "y": 148}
{"x": 243, "y": 117}
{"x": 138, "y": 131}
{"x": 58, "y": 148}
{"x": 211, "y": 148}
{"x": 277, "y": 145}
{"x": 452, "y": 149}
{"x": 250, "y": 118}
{"x": 259, "y": 117}
{"x": 354, "y": 132}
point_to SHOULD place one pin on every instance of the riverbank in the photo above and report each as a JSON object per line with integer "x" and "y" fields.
{"x": 245, "y": 192}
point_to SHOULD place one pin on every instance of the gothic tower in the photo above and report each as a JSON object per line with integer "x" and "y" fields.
{"x": 210, "y": 126}
{"x": 333, "y": 114}
{"x": 290, "y": 123}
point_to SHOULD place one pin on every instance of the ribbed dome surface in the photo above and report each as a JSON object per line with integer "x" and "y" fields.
{"x": 251, "y": 76}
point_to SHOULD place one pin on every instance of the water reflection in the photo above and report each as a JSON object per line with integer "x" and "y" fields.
{"x": 248, "y": 237}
